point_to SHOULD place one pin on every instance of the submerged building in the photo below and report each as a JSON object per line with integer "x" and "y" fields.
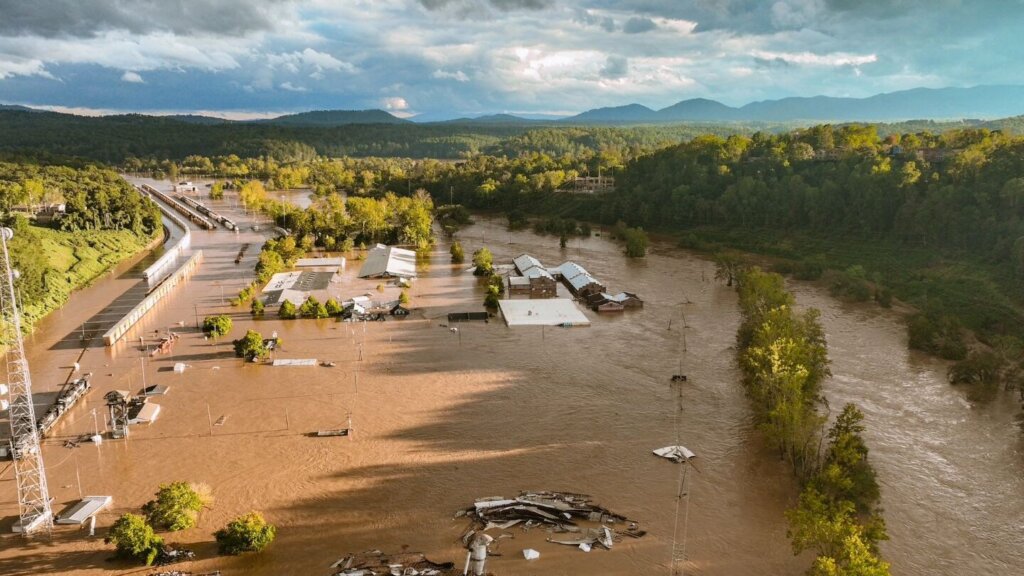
{"x": 389, "y": 262}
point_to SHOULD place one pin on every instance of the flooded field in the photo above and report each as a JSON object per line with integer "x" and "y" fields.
{"x": 443, "y": 418}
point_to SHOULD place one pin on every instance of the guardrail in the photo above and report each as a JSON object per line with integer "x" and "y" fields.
{"x": 171, "y": 254}
{"x": 181, "y": 208}
{"x": 110, "y": 337}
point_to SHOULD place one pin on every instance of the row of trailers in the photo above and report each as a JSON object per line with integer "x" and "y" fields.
{"x": 67, "y": 397}
{"x": 188, "y": 207}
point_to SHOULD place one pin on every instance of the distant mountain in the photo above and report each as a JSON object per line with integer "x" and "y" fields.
{"x": 18, "y": 108}
{"x": 493, "y": 119}
{"x": 919, "y": 103}
{"x": 327, "y": 118}
{"x": 617, "y": 114}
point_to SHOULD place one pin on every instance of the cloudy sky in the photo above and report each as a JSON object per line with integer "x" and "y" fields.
{"x": 443, "y": 58}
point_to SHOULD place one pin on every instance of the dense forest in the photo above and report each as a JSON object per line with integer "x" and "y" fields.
{"x": 105, "y": 220}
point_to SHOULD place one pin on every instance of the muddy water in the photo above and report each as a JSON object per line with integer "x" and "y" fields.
{"x": 442, "y": 418}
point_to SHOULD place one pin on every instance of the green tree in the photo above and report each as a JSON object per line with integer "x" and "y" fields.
{"x": 248, "y": 533}
{"x": 217, "y": 191}
{"x": 287, "y": 310}
{"x": 456, "y": 251}
{"x": 312, "y": 308}
{"x": 636, "y": 243}
{"x": 134, "y": 539}
{"x": 217, "y": 326}
{"x": 251, "y": 347}
{"x": 176, "y": 506}
{"x": 257, "y": 307}
{"x": 729, "y": 266}
{"x": 332, "y": 307}
{"x": 403, "y": 297}
{"x": 492, "y": 298}
{"x": 484, "y": 262}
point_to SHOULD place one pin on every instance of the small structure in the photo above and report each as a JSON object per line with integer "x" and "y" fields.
{"x": 117, "y": 406}
{"x": 338, "y": 262}
{"x": 548, "y": 312}
{"x": 605, "y": 302}
{"x": 142, "y": 412}
{"x": 181, "y": 187}
{"x": 389, "y": 262}
{"x": 534, "y": 279}
{"x": 578, "y": 280}
{"x": 608, "y": 306}
{"x": 398, "y": 310}
{"x": 80, "y": 512}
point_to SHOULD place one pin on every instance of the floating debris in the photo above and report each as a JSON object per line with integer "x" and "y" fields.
{"x": 376, "y": 562}
{"x": 559, "y": 512}
{"x": 677, "y": 453}
{"x": 531, "y": 554}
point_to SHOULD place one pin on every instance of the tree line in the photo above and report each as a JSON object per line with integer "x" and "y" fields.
{"x": 784, "y": 359}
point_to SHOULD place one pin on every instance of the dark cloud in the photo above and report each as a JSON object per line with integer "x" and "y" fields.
{"x": 606, "y": 23}
{"x": 87, "y": 18}
{"x": 636, "y": 25}
{"x": 615, "y": 67}
{"x": 503, "y": 5}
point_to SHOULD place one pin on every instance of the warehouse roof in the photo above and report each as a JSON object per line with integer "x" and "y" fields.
{"x": 389, "y": 261}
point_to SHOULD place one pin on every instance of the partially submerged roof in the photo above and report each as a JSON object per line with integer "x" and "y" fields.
{"x": 537, "y": 272}
{"x": 388, "y": 261}
{"x": 81, "y": 511}
{"x": 570, "y": 270}
{"x": 524, "y": 262}
{"x": 580, "y": 281}
{"x": 309, "y": 262}
{"x": 549, "y": 312}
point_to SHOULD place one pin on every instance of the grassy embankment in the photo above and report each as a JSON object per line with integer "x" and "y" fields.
{"x": 76, "y": 259}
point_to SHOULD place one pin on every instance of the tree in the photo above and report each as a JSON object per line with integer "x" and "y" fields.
{"x": 636, "y": 242}
{"x": 253, "y": 195}
{"x": 563, "y": 240}
{"x": 248, "y": 533}
{"x": 458, "y": 257}
{"x": 217, "y": 191}
{"x": 484, "y": 262}
{"x": 287, "y": 310}
{"x": 176, "y": 506}
{"x": 312, "y": 308}
{"x": 403, "y": 297}
{"x": 492, "y": 298}
{"x": 134, "y": 539}
{"x": 729, "y": 266}
{"x": 217, "y": 326}
{"x": 332, "y": 307}
{"x": 257, "y": 307}
{"x": 251, "y": 347}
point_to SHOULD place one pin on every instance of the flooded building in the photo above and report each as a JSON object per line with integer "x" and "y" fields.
{"x": 579, "y": 281}
{"x": 605, "y": 302}
{"x": 534, "y": 279}
{"x": 389, "y": 262}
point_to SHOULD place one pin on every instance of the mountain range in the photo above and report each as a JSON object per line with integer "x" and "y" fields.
{"x": 979, "y": 102}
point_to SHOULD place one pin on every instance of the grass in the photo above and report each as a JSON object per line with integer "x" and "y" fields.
{"x": 76, "y": 260}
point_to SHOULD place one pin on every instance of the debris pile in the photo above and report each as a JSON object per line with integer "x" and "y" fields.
{"x": 558, "y": 512}
{"x": 375, "y": 562}
{"x": 679, "y": 454}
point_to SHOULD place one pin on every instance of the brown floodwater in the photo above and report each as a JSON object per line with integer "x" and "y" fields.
{"x": 443, "y": 418}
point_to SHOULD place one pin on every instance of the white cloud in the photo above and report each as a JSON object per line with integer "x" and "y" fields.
{"x": 291, "y": 87}
{"x": 309, "y": 59}
{"x": 15, "y": 66}
{"x": 811, "y": 59}
{"x": 394, "y": 103}
{"x": 458, "y": 75}
{"x": 132, "y": 77}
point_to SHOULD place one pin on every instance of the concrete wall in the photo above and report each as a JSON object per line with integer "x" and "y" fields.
{"x": 172, "y": 252}
{"x": 122, "y": 327}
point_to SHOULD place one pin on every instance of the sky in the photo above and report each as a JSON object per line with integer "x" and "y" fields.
{"x": 447, "y": 58}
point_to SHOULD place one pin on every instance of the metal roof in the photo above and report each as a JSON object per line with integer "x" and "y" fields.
{"x": 570, "y": 270}
{"x": 389, "y": 261}
{"x": 524, "y": 262}
{"x": 537, "y": 272}
{"x": 581, "y": 280}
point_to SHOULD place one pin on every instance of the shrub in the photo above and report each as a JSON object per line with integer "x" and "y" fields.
{"x": 217, "y": 326}
{"x": 134, "y": 539}
{"x": 403, "y": 298}
{"x": 851, "y": 284}
{"x": 248, "y": 533}
{"x": 332, "y": 307}
{"x": 937, "y": 334}
{"x": 311, "y": 308}
{"x": 492, "y": 298}
{"x": 484, "y": 262}
{"x": 176, "y": 506}
{"x": 980, "y": 367}
{"x": 458, "y": 256}
{"x": 251, "y": 346}
{"x": 287, "y": 310}
{"x": 256, "y": 307}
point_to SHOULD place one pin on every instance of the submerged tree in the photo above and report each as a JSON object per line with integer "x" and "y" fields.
{"x": 248, "y": 533}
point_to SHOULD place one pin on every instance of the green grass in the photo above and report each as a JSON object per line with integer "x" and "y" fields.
{"x": 76, "y": 260}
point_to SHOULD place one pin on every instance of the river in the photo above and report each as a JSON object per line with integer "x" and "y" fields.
{"x": 443, "y": 418}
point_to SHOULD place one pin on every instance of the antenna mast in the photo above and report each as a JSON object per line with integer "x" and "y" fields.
{"x": 33, "y": 496}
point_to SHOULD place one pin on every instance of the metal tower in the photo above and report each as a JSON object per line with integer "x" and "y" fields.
{"x": 33, "y": 497}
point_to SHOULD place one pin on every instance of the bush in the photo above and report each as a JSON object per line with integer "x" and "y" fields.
{"x": 251, "y": 346}
{"x": 134, "y": 539}
{"x": 332, "y": 307}
{"x": 312, "y": 308}
{"x": 403, "y": 298}
{"x": 980, "y": 367}
{"x": 287, "y": 310}
{"x": 484, "y": 262}
{"x": 248, "y": 533}
{"x": 809, "y": 268}
{"x": 458, "y": 257}
{"x": 217, "y": 326}
{"x": 851, "y": 284}
{"x": 636, "y": 242}
{"x": 176, "y": 506}
{"x": 256, "y": 307}
{"x": 937, "y": 334}
{"x": 492, "y": 298}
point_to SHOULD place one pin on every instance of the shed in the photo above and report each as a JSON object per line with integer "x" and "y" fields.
{"x": 524, "y": 262}
{"x": 389, "y": 262}
{"x": 146, "y": 413}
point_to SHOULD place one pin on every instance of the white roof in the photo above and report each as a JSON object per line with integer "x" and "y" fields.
{"x": 389, "y": 261}
{"x": 620, "y": 297}
{"x": 581, "y": 280}
{"x": 147, "y": 414}
{"x": 524, "y": 262}
{"x": 548, "y": 312}
{"x": 295, "y": 362}
{"x": 570, "y": 270}
{"x": 537, "y": 272}
{"x": 281, "y": 281}
{"x": 333, "y": 262}
{"x": 518, "y": 281}
{"x": 81, "y": 511}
